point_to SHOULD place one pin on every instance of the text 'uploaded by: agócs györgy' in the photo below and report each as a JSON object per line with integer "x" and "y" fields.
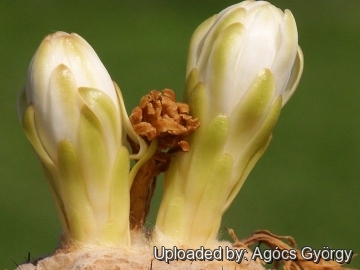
{"x": 238, "y": 255}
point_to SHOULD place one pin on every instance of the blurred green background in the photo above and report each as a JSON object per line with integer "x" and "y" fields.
{"x": 307, "y": 185}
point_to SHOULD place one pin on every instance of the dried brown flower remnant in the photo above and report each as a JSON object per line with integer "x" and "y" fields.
{"x": 159, "y": 117}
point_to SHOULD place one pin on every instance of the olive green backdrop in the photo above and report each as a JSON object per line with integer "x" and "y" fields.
{"x": 306, "y": 185}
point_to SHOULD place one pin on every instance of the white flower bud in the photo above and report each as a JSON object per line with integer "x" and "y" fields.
{"x": 74, "y": 116}
{"x": 243, "y": 66}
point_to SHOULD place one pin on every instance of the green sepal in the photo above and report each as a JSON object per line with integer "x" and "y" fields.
{"x": 104, "y": 108}
{"x": 254, "y": 150}
{"x": 235, "y": 16}
{"x": 210, "y": 208}
{"x": 170, "y": 218}
{"x": 250, "y": 112}
{"x": 28, "y": 123}
{"x": 191, "y": 81}
{"x": 227, "y": 29}
{"x": 197, "y": 101}
{"x": 92, "y": 148}
{"x": 22, "y": 104}
{"x": 204, "y": 156}
{"x": 221, "y": 67}
{"x": 95, "y": 161}
{"x": 128, "y": 127}
{"x": 295, "y": 76}
{"x": 116, "y": 230}
{"x": 197, "y": 42}
{"x": 63, "y": 91}
{"x": 50, "y": 170}
{"x": 264, "y": 132}
{"x": 120, "y": 184}
{"x": 73, "y": 190}
{"x": 53, "y": 180}
{"x": 245, "y": 173}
